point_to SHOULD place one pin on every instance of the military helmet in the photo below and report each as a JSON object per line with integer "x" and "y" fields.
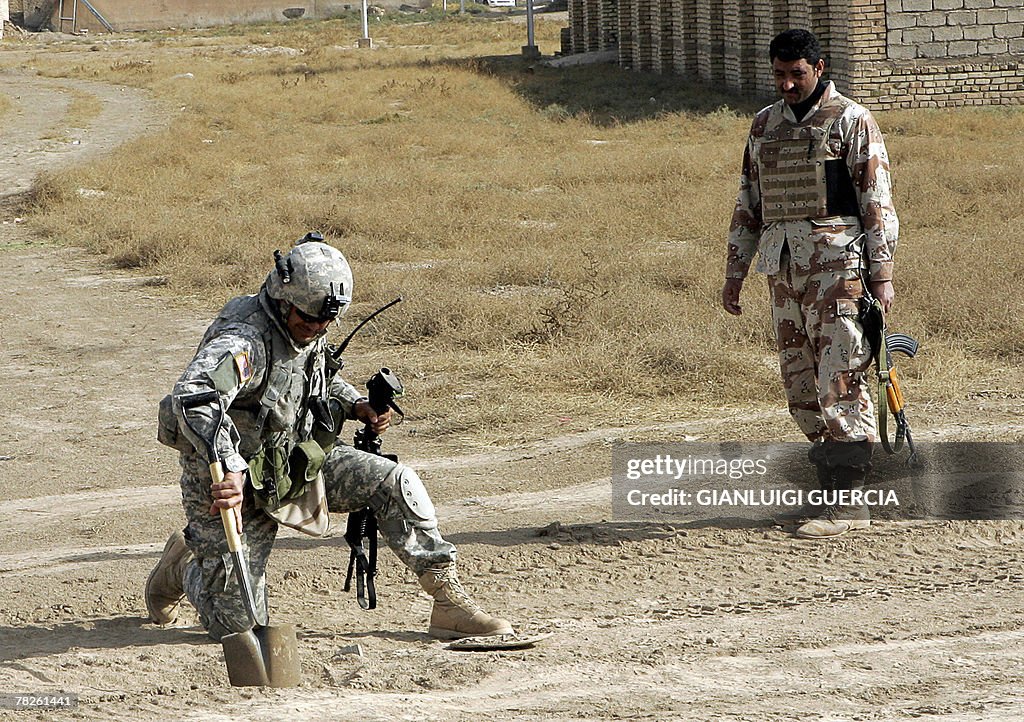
{"x": 313, "y": 277}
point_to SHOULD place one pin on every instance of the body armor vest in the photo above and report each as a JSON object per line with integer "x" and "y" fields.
{"x": 791, "y": 161}
{"x": 279, "y": 406}
{"x": 275, "y": 419}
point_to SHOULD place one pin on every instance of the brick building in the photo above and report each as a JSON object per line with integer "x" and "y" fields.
{"x": 101, "y": 15}
{"x": 884, "y": 53}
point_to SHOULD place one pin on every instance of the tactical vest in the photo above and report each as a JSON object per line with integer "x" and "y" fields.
{"x": 791, "y": 162}
{"x": 275, "y": 420}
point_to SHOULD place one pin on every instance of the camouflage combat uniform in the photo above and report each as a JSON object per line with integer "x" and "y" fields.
{"x": 815, "y": 200}
{"x": 267, "y": 382}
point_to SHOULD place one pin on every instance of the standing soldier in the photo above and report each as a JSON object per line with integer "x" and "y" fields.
{"x": 815, "y": 201}
{"x": 264, "y": 359}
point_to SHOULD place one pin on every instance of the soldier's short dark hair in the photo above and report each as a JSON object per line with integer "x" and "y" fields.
{"x": 794, "y": 44}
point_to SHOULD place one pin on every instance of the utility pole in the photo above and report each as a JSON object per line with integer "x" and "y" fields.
{"x": 530, "y": 50}
{"x": 365, "y": 42}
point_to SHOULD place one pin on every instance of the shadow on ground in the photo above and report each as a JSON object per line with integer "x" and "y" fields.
{"x": 605, "y": 533}
{"x": 606, "y": 94}
{"x": 106, "y": 633}
{"x": 601, "y": 93}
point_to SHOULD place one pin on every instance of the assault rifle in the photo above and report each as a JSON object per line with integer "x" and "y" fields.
{"x": 889, "y": 381}
{"x": 361, "y": 530}
{"x": 883, "y": 345}
{"x": 361, "y": 533}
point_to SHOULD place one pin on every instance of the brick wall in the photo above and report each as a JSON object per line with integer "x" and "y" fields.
{"x": 930, "y": 29}
{"x": 147, "y": 15}
{"x": 884, "y": 53}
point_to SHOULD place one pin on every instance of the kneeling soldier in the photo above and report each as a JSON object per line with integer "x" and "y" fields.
{"x": 265, "y": 357}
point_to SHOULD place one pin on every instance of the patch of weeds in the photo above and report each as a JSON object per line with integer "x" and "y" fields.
{"x": 556, "y": 112}
{"x": 423, "y": 86}
{"x": 566, "y": 313}
{"x": 381, "y": 119}
{"x": 132, "y": 66}
{"x": 304, "y": 74}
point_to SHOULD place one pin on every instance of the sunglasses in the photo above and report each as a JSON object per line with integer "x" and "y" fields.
{"x": 322, "y": 318}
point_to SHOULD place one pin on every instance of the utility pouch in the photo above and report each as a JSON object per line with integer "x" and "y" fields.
{"x": 277, "y": 478}
{"x": 268, "y": 471}
{"x": 167, "y": 431}
{"x": 305, "y": 463}
{"x": 328, "y": 417}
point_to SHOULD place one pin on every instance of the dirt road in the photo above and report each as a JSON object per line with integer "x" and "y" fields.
{"x": 907, "y": 621}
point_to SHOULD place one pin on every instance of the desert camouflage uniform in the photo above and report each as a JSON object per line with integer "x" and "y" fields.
{"x": 246, "y": 347}
{"x": 812, "y": 234}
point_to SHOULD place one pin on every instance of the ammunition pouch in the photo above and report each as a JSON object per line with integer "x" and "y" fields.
{"x": 277, "y": 477}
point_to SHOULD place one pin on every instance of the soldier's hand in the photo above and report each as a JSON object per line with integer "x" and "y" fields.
{"x": 731, "y": 296}
{"x": 228, "y": 495}
{"x": 379, "y": 423}
{"x": 883, "y": 291}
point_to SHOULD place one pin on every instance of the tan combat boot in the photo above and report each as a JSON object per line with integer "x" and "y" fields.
{"x": 455, "y": 614}
{"x": 165, "y": 586}
{"x": 835, "y": 521}
{"x": 794, "y": 518}
{"x": 845, "y": 465}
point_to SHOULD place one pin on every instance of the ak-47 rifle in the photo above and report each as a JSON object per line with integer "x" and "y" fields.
{"x": 883, "y": 345}
{"x": 889, "y": 382}
{"x": 361, "y": 530}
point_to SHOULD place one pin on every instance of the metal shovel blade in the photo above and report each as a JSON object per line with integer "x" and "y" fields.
{"x": 263, "y": 657}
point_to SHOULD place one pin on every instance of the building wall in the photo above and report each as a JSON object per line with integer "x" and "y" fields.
{"x": 135, "y": 15}
{"x": 884, "y": 53}
{"x": 954, "y": 28}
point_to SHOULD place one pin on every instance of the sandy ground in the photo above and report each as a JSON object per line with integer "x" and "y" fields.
{"x": 910, "y": 620}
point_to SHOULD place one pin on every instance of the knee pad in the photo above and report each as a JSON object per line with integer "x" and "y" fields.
{"x": 403, "y": 498}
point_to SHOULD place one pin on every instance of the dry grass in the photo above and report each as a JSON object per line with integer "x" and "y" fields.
{"x": 83, "y": 108}
{"x": 558, "y": 235}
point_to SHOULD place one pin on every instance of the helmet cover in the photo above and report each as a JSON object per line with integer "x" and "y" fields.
{"x": 313, "y": 277}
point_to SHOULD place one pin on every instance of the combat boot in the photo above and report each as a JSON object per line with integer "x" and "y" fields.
{"x": 455, "y": 615}
{"x": 165, "y": 586}
{"x": 808, "y": 510}
{"x": 837, "y": 518}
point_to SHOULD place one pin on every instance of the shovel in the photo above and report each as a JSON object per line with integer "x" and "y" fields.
{"x": 264, "y": 656}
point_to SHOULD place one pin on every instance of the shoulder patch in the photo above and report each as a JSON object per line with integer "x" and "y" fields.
{"x": 244, "y": 366}
{"x": 225, "y": 375}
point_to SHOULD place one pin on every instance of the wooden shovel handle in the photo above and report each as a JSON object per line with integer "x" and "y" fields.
{"x": 227, "y": 516}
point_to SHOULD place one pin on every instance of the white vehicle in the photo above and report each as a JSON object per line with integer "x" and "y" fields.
{"x": 501, "y": 3}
